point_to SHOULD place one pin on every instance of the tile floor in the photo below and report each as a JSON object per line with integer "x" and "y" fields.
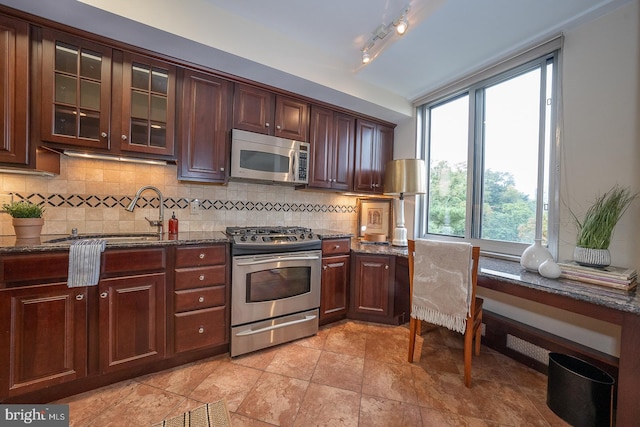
{"x": 349, "y": 374}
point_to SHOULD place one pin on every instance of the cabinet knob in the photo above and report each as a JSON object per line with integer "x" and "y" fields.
{"x": 201, "y": 256}
{"x": 80, "y": 297}
{"x": 201, "y": 299}
{"x": 104, "y": 294}
{"x": 201, "y": 330}
{"x": 201, "y": 277}
{"x": 221, "y": 169}
{"x": 386, "y": 267}
{"x": 124, "y": 137}
{"x": 324, "y": 267}
{"x": 336, "y": 247}
{"x": 103, "y": 134}
{"x": 278, "y": 127}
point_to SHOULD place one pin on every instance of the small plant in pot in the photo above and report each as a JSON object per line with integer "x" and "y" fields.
{"x": 596, "y": 228}
{"x": 27, "y": 218}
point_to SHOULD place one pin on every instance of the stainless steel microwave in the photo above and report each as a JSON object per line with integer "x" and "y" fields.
{"x": 258, "y": 157}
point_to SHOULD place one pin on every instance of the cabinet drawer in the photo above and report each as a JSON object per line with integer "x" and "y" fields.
{"x": 187, "y": 278}
{"x": 201, "y": 328}
{"x": 336, "y": 246}
{"x": 200, "y": 255}
{"x": 194, "y": 299}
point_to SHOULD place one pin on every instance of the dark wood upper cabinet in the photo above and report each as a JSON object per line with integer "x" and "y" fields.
{"x": 205, "y": 121}
{"x": 148, "y": 100}
{"x": 101, "y": 98}
{"x": 332, "y": 137}
{"x": 76, "y": 91}
{"x": 258, "y": 110}
{"x": 374, "y": 148}
{"x": 14, "y": 90}
{"x": 292, "y": 119}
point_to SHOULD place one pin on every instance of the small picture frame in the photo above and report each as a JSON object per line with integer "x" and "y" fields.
{"x": 374, "y": 217}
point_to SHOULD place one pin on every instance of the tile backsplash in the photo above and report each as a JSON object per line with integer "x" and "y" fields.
{"x": 91, "y": 195}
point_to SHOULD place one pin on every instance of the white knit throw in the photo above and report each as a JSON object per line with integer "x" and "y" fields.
{"x": 442, "y": 283}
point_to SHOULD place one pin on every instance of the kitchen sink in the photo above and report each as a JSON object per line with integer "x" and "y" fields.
{"x": 121, "y": 238}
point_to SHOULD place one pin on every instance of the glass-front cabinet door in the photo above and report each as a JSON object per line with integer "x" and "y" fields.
{"x": 76, "y": 91}
{"x": 148, "y": 105}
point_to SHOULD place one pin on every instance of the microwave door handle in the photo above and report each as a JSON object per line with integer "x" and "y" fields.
{"x": 270, "y": 260}
{"x": 294, "y": 156}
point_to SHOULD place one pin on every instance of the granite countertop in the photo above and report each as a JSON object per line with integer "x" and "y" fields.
{"x": 56, "y": 242}
{"x": 512, "y": 272}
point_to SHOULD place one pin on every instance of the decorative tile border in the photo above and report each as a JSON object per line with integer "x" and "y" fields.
{"x": 92, "y": 201}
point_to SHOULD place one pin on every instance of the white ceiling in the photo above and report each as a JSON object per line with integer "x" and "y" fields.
{"x": 314, "y": 47}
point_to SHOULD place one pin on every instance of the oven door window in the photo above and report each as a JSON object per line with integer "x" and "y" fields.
{"x": 278, "y": 283}
{"x": 263, "y": 161}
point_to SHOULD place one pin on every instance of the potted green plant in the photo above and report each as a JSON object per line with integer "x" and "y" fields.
{"x": 26, "y": 218}
{"x": 596, "y": 228}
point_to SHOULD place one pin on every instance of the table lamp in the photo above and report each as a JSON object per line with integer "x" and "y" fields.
{"x": 404, "y": 176}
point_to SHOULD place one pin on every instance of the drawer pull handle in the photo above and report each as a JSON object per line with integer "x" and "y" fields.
{"x": 80, "y": 297}
{"x": 201, "y": 256}
{"x": 201, "y": 277}
{"x": 336, "y": 247}
{"x": 201, "y": 330}
{"x": 201, "y": 299}
{"x": 104, "y": 294}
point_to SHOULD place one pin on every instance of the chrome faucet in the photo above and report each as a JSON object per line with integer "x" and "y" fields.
{"x": 160, "y": 222}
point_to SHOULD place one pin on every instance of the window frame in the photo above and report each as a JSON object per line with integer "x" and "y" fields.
{"x": 473, "y": 87}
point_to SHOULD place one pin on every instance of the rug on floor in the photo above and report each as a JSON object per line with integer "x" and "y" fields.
{"x": 210, "y": 415}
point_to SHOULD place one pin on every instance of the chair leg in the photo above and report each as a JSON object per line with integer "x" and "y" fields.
{"x": 468, "y": 343}
{"x": 412, "y": 337}
{"x": 478, "y": 336}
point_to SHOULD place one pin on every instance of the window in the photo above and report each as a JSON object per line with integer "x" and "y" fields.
{"x": 489, "y": 147}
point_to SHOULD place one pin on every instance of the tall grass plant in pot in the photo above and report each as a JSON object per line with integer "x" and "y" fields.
{"x": 26, "y": 219}
{"x": 596, "y": 228}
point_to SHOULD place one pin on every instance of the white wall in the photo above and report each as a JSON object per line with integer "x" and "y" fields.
{"x": 600, "y": 148}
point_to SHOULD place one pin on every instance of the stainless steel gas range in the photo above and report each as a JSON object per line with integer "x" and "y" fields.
{"x": 275, "y": 291}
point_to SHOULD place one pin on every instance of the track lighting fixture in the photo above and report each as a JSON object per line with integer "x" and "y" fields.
{"x": 400, "y": 24}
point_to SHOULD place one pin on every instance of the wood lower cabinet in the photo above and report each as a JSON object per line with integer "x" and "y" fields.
{"x": 44, "y": 337}
{"x": 205, "y": 120}
{"x": 372, "y": 288}
{"x": 200, "y": 313}
{"x": 132, "y": 321}
{"x": 54, "y": 337}
{"x": 334, "y": 295}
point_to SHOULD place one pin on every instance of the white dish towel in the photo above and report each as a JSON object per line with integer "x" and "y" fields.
{"x": 442, "y": 283}
{"x": 84, "y": 262}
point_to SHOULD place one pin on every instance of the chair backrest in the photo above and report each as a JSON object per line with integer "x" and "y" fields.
{"x": 475, "y": 254}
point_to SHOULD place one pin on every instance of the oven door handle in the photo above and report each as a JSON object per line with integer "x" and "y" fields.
{"x": 271, "y": 260}
{"x": 307, "y": 318}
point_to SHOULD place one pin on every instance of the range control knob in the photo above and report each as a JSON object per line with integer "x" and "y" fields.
{"x": 243, "y": 238}
{"x": 302, "y": 236}
{"x": 254, "y": 237}
{"x": 311, "y": 235}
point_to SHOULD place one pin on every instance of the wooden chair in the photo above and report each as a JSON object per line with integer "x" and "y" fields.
{"x": 473, "y": 322}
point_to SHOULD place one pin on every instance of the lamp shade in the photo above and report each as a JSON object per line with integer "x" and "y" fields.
{"x": 405, "y": 176}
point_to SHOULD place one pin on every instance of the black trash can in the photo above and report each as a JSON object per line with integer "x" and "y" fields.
{"x": 578, "y": 392}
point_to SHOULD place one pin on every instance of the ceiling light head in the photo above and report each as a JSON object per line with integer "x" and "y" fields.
{"x": 365, "y": 57}
{"x": 402, "y": 25}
